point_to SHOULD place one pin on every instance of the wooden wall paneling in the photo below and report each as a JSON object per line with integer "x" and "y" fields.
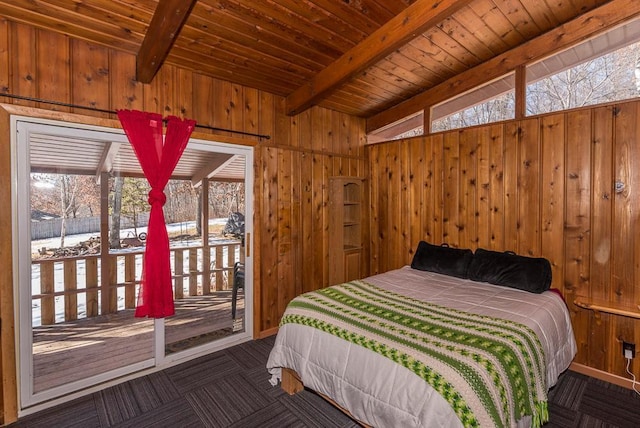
{"x": 451, "y": 187}
{"x": 295, "y": 230}
{"x": 204, "y": 101}
{"x": 552, "y": 194}
{"x": 483, "y": 187}
{"x": 269, "y": 238}
{"x": 384, "y": 200}
{"x": 511, "y": 164}
{"x": 624, "y": 224}
{"x": 327, "y": 171}
{"x": 317, "y": 228}
{"x": 222, "y": 99}
{"x": 160, "y": 94}
{"x": 203, "y": 95}
{"x": 287, "y": 288}
{"x": 236, "y": 108}
{"x": 5, "y": 75}
{"x": 333, "y": 133}
{"x": 375, "y": 199}
{"x": 496, "y": 188}
{"x": 593, "y": 336}
{"x": 404, "y": 207}
{"x": 626, "y": 230}
{"x": 250, "y": 111}
{"x": 363, "y": 171}
{"x": 394, "y": 208}
{"x": 335, "y": 136}
{"x": 419, "y": 205}
{"x": 126, "y": 92}
{"x": 467, "y": 226}
{"x": 52, "y": 67}
{"x": 23, "y": 63}
{"x": 353, "y": 144}
{"x": 274, "y": 122}
{"x": 90, "y": 74}
{"x": 257, "y": 245}
{"x": 307, "y": 216}
{"x": 183, "y": 94}
{"x": 529, "y": 188}
{"x": 577, "y": 148}
{"x": 436, "y": 177}
{"x": 302, "y": 121}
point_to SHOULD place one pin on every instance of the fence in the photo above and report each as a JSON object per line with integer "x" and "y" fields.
{"x": 53, "y": 228}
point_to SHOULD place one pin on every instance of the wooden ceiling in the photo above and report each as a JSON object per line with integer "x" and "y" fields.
{"x": 370, "y": 58}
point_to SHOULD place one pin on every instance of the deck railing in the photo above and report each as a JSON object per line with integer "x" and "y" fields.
{"x": 69, "y": 288}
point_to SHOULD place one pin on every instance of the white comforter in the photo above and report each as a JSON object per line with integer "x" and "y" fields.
{"x": 381, "y": 393}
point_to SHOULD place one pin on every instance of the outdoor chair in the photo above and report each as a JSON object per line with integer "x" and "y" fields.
{"x": 238, "y": 282}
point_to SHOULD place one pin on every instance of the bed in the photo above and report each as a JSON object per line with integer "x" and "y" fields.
{"x": 387, "y": 375}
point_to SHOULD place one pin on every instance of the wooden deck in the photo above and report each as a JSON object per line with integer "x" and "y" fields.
{"x": 71, "y": 351}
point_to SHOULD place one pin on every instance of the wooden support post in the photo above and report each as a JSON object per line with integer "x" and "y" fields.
{"x": 47, "y": 304}
{"x": 206, "y": 252}
{"x": 193, "y": 272}
{"x": 105, "y": 271}
{"x": 91, "y": 268}
{"x": 130, "y": 279}
{"x": 70, "y": 288}
{"x": 178, "y": 268}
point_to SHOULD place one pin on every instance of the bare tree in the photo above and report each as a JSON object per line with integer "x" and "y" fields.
{"x": 610, "y": 77}
{"x": 68, "y": 190}
{"x": 116, "y": 209}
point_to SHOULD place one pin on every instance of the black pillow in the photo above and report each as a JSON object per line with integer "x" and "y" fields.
{"x": 511, "y": 270}
{"x": 442, "y": 259}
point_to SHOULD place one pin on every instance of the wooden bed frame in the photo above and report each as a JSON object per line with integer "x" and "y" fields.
{"x": 291, "y": 384}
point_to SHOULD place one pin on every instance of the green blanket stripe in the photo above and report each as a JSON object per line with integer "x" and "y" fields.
{"x": 418, "y": 306}
{"x": 437, "y": 382}
{"x": 464, "y": 343}
{"x": 366, "y": 291}
{"x": 526, "y": 404}
{"x": 471, "y": 376}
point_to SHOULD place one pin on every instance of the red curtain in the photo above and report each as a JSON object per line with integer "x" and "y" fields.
{"x": 158, "y": 158}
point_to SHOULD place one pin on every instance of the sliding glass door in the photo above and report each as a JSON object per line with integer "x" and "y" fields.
{"x": 81, "y": 215}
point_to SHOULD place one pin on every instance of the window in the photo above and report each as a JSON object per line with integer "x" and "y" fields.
{"x": 490, "y": 103}
{"x": 610, "y": 77}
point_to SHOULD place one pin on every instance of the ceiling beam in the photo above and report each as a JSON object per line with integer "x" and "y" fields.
{"x": 583, "y": 27}
{"x": 413, "y": 21}
{"x": 165, "y": 25}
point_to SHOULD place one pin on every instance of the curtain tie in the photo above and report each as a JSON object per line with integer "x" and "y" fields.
{"x": 157, "y": 195}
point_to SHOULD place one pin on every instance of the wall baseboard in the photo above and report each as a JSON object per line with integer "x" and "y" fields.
{"x": 602, "y": 375}
{"x": 266, "y": 333}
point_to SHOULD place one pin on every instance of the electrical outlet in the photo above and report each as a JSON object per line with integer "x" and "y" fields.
{"x": 628, "y": 350}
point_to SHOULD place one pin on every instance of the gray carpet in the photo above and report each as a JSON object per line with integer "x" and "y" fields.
{"x": 231, "y": 389}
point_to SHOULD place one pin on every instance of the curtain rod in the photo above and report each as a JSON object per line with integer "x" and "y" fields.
{"x": 99, "y": 110}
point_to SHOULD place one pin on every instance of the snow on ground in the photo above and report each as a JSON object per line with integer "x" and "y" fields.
{"x": 71, "y": 240}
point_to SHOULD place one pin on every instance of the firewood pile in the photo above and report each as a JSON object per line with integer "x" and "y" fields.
{"x": 90, "y": 246}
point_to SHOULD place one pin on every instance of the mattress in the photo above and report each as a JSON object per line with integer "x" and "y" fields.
{"x": 381, "y": 393}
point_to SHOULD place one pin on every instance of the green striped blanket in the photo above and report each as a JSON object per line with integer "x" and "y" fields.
{"x": 491, "y": 371}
